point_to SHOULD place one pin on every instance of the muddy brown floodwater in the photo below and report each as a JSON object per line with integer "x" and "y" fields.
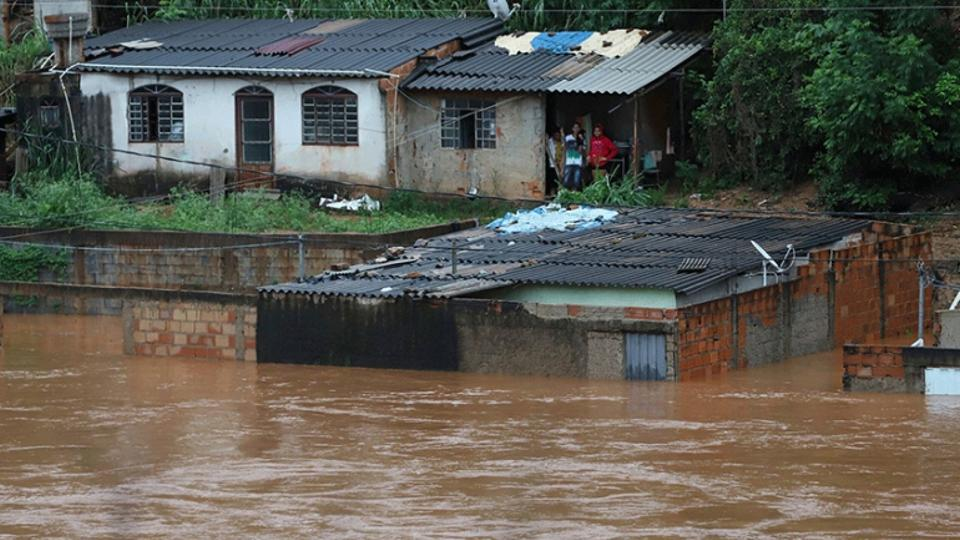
{"x": 95, "y": 444}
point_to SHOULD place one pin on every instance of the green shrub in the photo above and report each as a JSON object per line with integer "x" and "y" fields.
{"x": 602, "y": 192}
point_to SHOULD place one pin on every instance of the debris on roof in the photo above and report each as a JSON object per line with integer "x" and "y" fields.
{"x": 641, "y": 248}
{"x": 553, "y": 217}
{"x": 290, "y": 45}
{"x": 601, "y": 66}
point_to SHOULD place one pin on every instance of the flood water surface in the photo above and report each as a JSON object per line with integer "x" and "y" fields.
{"x": 95, "y": 444}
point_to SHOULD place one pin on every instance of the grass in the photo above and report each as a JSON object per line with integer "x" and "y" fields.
{"x": 42, "y": 200}
{"x": 18, "y": 58}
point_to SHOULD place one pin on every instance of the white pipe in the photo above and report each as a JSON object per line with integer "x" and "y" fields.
{"x": 278, "y": 71}
{"x": 956, "y": 300}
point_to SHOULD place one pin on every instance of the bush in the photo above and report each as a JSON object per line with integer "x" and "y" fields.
{"x": 603, "y": 192}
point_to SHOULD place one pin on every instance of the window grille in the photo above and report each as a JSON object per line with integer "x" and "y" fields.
{"x": 468, "y": 123}
{"x": 330, "y": 116}
{"x": 155, "y": 114}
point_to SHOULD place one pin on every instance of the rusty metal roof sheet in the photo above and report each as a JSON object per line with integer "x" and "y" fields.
{"x": 494, "y": 69}
{"x": 281, "y": 48}
{"x": 644, "y": 248}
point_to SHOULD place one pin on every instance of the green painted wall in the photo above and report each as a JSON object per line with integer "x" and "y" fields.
{"x": 587, "y": 296}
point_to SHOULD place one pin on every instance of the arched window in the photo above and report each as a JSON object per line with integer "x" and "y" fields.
{"x": 330, "y": 116}
{"x": 155, "y": 113}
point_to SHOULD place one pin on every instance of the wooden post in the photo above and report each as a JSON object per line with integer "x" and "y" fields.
{"x": 218, "y": 178}
{"x": 6, "y": 13}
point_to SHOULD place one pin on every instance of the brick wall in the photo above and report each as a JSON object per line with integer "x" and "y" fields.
{"x": 192, "y": 329}
{"x": 873, "y": 368}
{"x": 201, "y": 267}
{"x": 846, "y": 297}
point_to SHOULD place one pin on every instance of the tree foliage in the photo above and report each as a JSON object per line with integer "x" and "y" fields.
{"x": 866, "y": 102}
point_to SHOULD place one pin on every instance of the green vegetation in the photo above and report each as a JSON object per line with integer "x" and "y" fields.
{"x": 47, "y": 199}
{"x": 603, "y": 192}
{"x": 535, "y": 15}
{"x": 865, "y": 102}
{"x": 28, "y": 263}
{"x": 18, "y": 58}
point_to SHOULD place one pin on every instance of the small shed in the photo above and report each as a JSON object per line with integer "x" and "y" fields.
{"x": 477, "y": 121}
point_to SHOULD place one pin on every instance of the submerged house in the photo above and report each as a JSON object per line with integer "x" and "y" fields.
{"x": 482, "y": 115}
{"x": 656, "y": 294}
{"x": 307, "y": 98}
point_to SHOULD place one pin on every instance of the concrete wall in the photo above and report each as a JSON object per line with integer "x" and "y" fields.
{"x": 948, "y": 329}
{"x": 480, "y": 336}
{"x": 840, "y": 297}
{"x": 514, "y": 169}
{"x": 125, "y": 259}
{"x": 210, "y": 128}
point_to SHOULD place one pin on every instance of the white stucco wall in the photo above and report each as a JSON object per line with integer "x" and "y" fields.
{"x": 210, "y": 130}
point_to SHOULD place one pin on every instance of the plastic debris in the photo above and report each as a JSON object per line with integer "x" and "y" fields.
{"x": 363, "y": 203}
{"x": 553, "y": 217}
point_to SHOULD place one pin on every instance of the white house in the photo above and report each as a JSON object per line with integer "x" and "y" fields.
{"x": 313, "y": 99}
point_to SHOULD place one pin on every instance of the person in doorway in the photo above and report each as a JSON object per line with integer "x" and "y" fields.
{"x": 602, "y": 150}
{"x": 554, "y": 158}
{"x": 572, "y": 163}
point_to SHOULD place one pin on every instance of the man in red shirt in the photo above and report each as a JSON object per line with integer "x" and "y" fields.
{"x": 602, "y": 149}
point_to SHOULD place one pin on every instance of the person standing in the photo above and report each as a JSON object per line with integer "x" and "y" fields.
{"x": 602, "y": 150}
{"x": 554, "y": 158}
{"x": 572, "y": 163}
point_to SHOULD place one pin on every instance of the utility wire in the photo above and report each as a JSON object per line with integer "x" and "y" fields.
{"x": 647, "y": 9}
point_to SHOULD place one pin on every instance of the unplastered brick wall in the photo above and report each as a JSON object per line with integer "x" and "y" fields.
{"x": 873, "y": 367}
{"x": 209, "y": 261}
{"x": 839, "y": 297}
{"x": 192, "y": 329}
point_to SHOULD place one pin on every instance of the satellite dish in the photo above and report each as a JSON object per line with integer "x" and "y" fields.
{"x": 501, "y": 9}
{"x": 778, "y": 268}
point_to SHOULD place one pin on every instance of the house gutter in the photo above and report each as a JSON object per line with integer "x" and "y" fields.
{"x": 232, "y": 70}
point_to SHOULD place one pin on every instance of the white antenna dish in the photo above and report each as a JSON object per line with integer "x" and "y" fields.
{"x": 501, "y": 9}
{"x": 778, "y": 268}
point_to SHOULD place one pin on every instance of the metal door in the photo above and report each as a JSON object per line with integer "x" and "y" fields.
{"x": 646, "y": 357}
{"x": 254, "y": 137}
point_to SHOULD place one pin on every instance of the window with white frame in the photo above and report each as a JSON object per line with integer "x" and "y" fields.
{"x": 330, "y": 116}
{"x": 468, "y": 123}
{"x": 155, "y": 114}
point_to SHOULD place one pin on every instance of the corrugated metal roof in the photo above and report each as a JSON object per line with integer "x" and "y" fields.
{"x": 350, "y": 48}
{"x": 640, "y": 249}
{"x": 493, "y": 69}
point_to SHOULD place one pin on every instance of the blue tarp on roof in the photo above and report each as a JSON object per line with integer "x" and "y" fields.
{"x": 559, "y": 42}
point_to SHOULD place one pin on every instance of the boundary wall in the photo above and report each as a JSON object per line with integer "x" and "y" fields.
{"x": 841, "y": 296}
{"x": 200, "y": 261}
{"x": 166, "y": 323}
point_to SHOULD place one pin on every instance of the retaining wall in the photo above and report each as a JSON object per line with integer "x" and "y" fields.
{"x": 841, "y": 296}
{"x": 115, "y": 260}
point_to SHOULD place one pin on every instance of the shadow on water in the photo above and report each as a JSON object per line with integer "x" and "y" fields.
{"x": 97, "y": 444}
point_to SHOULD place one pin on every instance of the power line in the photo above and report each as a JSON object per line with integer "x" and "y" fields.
{"x": 649, "y": 10}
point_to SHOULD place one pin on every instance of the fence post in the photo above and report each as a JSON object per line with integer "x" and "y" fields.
{"x": 300, "y": 258}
